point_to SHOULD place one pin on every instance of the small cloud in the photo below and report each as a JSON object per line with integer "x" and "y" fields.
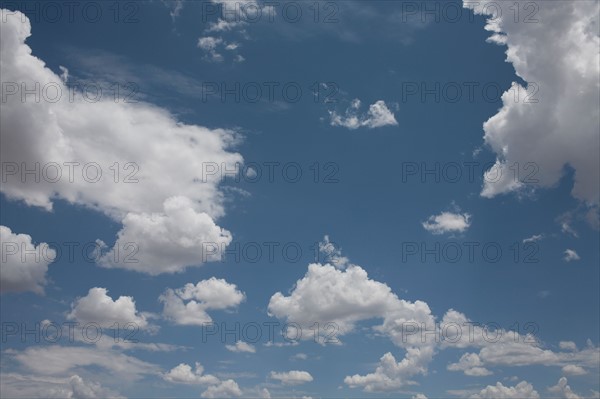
{"x": 533, "y": 238}
{"x": 572, "y": 369}
{"x": 570, "y": 255}
{"x": 379, "y": 115}
{"x": 240, "y": 347}
{"x": 447, "y": 222}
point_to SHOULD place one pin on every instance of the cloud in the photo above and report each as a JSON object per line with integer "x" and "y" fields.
{"x": 225, "y": 389}
{"x": 241, "y": 346}
{"x": 533, "y": 238}
{"x": 447, "y": 222}
{"x": 391, "y": 375}
{"x": 167, "y": 242}
{"x": 570, "y": 255}
{"x": 188, "y": 305}
{"x": 13, "y": 385}
{"x": 23, "y": 264}
{"x": 567, "y": 345}
{"x": 126, "y": 146}
{"x": 183, "y": 374}
{"x": 294, "y": 377}
{"x": 563, "y": 389}
{"x": 327, "y": 294}
{"x": 56, "y": 360}
{"x": 471, "y": 365}
{"x": 572, "y": 369}
{"x": 523, "y": 390}
{"x": 559, "y": 61}
{"x": 378, "y": 115}
{"x": 98, "y": 307}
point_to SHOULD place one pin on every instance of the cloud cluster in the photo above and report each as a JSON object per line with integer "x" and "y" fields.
{"x": 188, "y": 305}
{"x": 378, "y": 115}
{"x": 113, "y": 156}
{"x": 216, "y": 388}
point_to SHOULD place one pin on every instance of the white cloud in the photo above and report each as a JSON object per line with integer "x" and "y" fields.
{"x": 560, "y": 58}
{"x": 299, "y": 356}
{"x": 293, "y": 377}
{"x": 98, "y": 307}
{"x": 419, "y": 396}
{"x": 522, "y": 390}
{"x": 533, "y": 238}
{"x": 210, "y": 44}
{"x": 23, "y": 264}
{"x": 241, "y": 346}
{"x": 563, "y": 389}
{"x": 225, "y": 389}
{"x": 378, "y": 115}
{"x": 447, "y": 222}
{"x": 567, "y": 345}
{"x": 136, "y": 139}
{"x": 188, "y": 305}
{"x": 571, "y": 369}
{"x": 471, "y": 365}
{"x": 391, "y": 375}
{"x": 13, "y": 385}
{"x": 183, "y": 374}
{"x": 344, "y": 297}
{"x": 167, "y": 242}
{"x": 570, "y": 255}
{"x": 56, "y": 360}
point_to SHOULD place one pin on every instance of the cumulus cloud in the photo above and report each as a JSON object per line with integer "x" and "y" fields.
{"x": 81, "y": 141}
{"x": 447, "y": 222}
{"x": 562, "y": 388}
{"x": 327, "y": 294}
{"x": 293, "y": 377}
{"x": 225, "y": 389}
{"x": 23, "y": 264}
{"x": 348, "y": 296}
{"x": 241, "y": 346}
{"x": 98, "y": 307}
{"x": 188, "y": 305}
{"x": 378, "y": 115}
{"x": 167, "y": 242}
{"x": 183, "y": 374}
{"x": 559, "y": 60}
{"x": 523, "y": 390}
{"x": 471, "y": 365}
{"x": 570, "y": 255}
{"x": 216, "y": 388}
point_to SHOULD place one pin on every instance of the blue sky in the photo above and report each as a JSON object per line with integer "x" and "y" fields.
{"x": 323, "y": 166}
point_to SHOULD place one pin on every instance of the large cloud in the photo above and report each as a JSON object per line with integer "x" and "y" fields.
{"x": 23, "y": 264}
{"x": 557, "y": 54}
{"x": 142, "y": 138}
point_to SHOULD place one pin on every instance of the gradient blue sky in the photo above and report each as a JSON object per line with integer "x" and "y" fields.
{"x": 362, "y": 199}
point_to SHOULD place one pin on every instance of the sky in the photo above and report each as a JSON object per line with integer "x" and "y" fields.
{"x": 290, "y": 199}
